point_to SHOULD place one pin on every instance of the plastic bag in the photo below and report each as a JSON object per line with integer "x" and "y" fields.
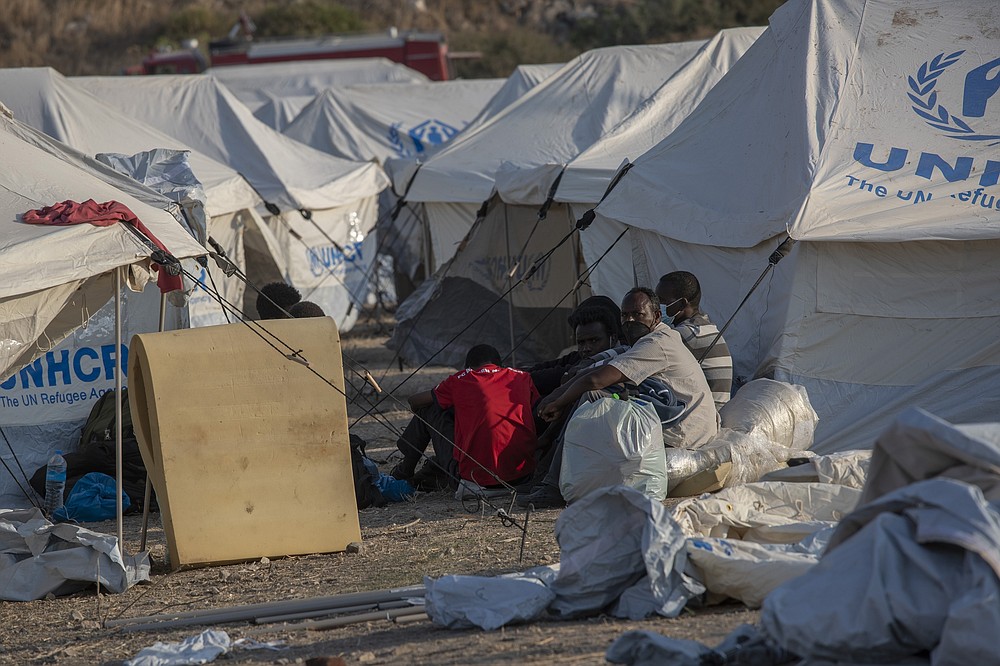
{"x": 612, "y": 442}
{"x": 752, "y": 455}
{"x": 91, "y": 500}
{"x": 775, "y": 410}
{"x": 764, "y": 425}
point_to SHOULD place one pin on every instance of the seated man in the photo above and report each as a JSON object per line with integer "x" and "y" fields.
{"x": 489, "y": 440}
{"x": 276, "y": 299}
{"x": 681, "y": 294}
{"x": 594, "y": 329}
{"x": 656, "y": 351}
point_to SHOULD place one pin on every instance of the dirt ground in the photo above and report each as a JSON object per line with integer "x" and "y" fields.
{"x": 402, "y": 543}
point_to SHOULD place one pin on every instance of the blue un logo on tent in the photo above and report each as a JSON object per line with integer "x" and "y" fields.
{"x": 981, "y": 84}
{"x": 417, "y": 139}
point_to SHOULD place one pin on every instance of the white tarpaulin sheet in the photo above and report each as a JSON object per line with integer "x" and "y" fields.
{"x": 844, "y": 317}
{"x": 38, "y": 558}
{"x": 912, "y": 573}
{"x": 377, "y": 122}
{"x": 553, "y": 122}
{"x": 276, "y": 92}
{"x": 49, "y": 102}
{"x": 460, "y": 602}
{"x": 200, "y": 111}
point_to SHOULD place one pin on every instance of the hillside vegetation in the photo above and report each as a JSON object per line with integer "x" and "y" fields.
{"x": 103, "y": 36}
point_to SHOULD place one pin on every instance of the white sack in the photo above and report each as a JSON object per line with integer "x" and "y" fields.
{"x": 38, "y": 558}
{"x": 608, "y": 541}
{"x": 461, "y": 602}
{"x": 748, "y": 571}
{"x": 610, "y": 442}
{"x": 766, "y": 512}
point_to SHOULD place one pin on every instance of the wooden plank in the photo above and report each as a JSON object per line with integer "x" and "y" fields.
{"x": 248, "y": 450}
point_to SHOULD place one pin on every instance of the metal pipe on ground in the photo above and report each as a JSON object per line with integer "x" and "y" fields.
{"x": 320, "y": 625}
{"x": 250, "y": 611}
{"x": 331, "y": 611}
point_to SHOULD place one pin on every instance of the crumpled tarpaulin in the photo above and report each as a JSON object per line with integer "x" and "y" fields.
{"x": 200, "y": 649}
{"x": 615, "y": 542}
{"x": 844, "y": 468}
{"x": 912, "y": 576}
{"x": 38, "y": 558}
{"x": 66, "y": 213}
{"x": 489, "y": 602}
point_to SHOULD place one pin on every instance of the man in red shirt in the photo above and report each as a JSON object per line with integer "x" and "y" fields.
{"x": 493, "y": 429}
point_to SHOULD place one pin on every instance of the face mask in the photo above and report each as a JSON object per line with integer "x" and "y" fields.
{"x": 664, "y": 317}
{"x": 633, "y": 330}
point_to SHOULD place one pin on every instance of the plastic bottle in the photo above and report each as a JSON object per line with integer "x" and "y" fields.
{"x": 55, "y": 482}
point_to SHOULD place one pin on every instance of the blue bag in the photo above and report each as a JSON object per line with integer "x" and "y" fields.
{"x": 91, "y": 500}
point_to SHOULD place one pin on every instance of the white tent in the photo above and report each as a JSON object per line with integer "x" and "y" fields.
{"x": 382, "y": 121}
{"x": 327, "y": 204}
{"x": 552, "y": 123}
{"x": 546, "y": 128}
{"x": 521, "y": 80}
{"x": 864, "y": 130}
{"x": 387, "y": 121}
{"x": 52, "y": 278}
{"x": 47, "y": 101}
{"x": 586, "y": 178}
{"x": 277, "y": 92}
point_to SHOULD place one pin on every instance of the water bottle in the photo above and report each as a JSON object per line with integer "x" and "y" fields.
{"x": 55, "y": 483}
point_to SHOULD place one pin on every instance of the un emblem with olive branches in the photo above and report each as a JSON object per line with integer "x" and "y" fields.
{"x": 924, "y": 96}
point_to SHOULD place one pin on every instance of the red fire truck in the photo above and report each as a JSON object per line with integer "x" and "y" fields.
{"x": 425, "y": 52}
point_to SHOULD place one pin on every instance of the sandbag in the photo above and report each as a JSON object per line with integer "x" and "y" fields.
{"x": 612, "y": 442}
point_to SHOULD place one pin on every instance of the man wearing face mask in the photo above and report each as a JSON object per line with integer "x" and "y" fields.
{"x": 656, "y": 351}
{"x": 681, "y": 294}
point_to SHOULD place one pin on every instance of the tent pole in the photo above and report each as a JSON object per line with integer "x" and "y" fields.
{"x": 147, "y": 493}
{"x": 118, "y": 409}
{"x": 510, "y": 287}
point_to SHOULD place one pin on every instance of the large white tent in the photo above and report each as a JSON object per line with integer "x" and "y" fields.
{"x": 382, "y": 121}
{"x": 549, "y": 126}
{"x": 587, "y": 176}
{"x": 277, "y": 92}
{"x": 47, "y": 101}
{"x": 520, "y": 81}
{"x": 53, "y": 278}
{"x": 327, "y": 205}
{"x": 553, "y": 122}
{"x": 865, "y": 129}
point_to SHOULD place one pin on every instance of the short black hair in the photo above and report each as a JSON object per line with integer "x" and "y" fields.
{"x": 306, "y": 309}
{"x": 584, "y": 316}
{"x": 653, "y": 298}
{"x": 606, "y": 304}
{"x": 683, "y": 284}
{"x": 275, "y": 297}
{"x": 481, "y": 355}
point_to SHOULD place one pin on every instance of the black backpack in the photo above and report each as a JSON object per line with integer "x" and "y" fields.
{"x": 365, "y": 491}
{"x": 96, "y": 452}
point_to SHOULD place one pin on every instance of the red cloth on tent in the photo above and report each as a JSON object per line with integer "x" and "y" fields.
{"x": 104, "y": 214}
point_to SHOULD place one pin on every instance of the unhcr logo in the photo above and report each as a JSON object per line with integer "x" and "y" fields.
{"x": 981, "y": 84}
{"x": 417, "y": 139}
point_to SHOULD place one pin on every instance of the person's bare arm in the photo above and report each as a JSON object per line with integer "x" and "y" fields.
{"x": 420, "y": 400}
{"x": 601, "y": 377}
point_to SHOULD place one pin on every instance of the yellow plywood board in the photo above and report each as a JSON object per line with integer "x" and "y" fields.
{"x": 247, "y": 449}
